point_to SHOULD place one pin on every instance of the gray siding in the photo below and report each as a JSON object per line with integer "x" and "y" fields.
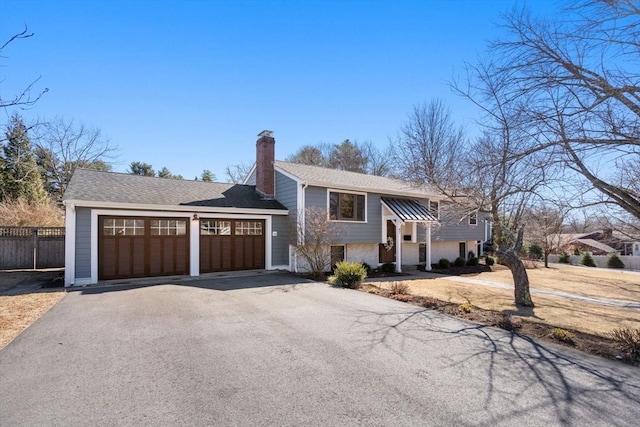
{"x": 83, "y": 243}
{"x": 280, "y": 243}
{"x": 356, "y": 232}
{"x": 287, "y": 194}
{"x": 455, "y": 226}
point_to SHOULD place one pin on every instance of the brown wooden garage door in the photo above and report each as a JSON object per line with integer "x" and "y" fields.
{"x": 142, "y": 247}
{"x": 231, "y": 244}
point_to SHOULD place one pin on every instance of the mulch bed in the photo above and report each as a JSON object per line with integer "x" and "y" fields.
{"x": 592, "y": 344}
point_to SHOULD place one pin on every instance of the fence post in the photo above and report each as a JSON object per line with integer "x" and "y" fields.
{"x": 34, "y": 231}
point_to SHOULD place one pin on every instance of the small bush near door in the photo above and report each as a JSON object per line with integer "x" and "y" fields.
{"x": 348, "y": 275}
{"x": 443, "y": 263}
{"x": 459, "y": 262}
{"x": 388, "y": 267}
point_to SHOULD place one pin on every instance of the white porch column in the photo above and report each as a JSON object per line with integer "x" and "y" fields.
{"x": 398, "y": 246}
{"x": 194, "y": 247}
{"x": 427, "y": 266}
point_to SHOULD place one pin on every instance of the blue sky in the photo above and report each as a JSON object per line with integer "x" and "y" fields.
{"x": 189, "y": 84}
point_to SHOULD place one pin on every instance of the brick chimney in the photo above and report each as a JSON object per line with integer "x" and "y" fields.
{"x": 265, "y": 156}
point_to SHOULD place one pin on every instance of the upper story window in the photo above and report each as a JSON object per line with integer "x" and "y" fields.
{"x": 347, "y": 206}
{"x": 473, "y": 218}
{"x": 434, "y": 208}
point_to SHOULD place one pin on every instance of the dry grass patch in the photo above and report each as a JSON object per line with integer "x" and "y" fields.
{"x": 560, "y": 312}
{"x": 18, "y": 312}
{"x": 600, "y": 283}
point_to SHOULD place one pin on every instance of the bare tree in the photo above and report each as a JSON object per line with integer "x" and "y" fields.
{"x": 379, "y": 162}
{"x": 313, "y": 236}
{"x": 61, "y": 147}
{"x": 577, "y": 76}
{"x": 237, "y": 173}
{"x": 431, "y": 136}
{"x": 545, "y": 226}
{"x": 309, "y": 155}
{"x": 26, "y": 97}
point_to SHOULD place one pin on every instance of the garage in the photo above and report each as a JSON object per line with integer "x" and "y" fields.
{"x": 131, "y": 247}
{"x": 231, "y": 244}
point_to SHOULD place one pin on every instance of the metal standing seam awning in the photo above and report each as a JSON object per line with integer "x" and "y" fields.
{"x": 408, "y": 210}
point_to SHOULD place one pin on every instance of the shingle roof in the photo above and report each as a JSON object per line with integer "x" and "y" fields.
{"x": 595, "y": 244}
{"x": 96, "y": 186}
{"x": 408, "y": 210}
{"x": 325, "y": 177}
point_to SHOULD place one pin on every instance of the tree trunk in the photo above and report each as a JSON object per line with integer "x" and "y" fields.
{"x": 520, "y": 277}
{"x": 546, "y": 260}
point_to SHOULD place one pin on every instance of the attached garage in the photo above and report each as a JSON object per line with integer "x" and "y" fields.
{"x": 142, "y": 247}
{"x": 231, "y": 244}
{"x": 122, "y": 226}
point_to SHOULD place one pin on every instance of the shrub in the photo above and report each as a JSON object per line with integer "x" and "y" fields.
{"x": 629, "y": 342}
{"x": 348, "y": 275}
{"x": 587, "y": 260}
{"x": 509, "y": 323}
{"x": 399, "y": 288}
{"x": 473, "y": 261}
{"x": 563, "y": 335}
{"x": 535, "y": 251}
{"x": 614, "y": 261}
{"x": 367, "y": 267}
{"x": 564, "y": 258}
{"x": 576, "y": 251}
{"x": 443, "y": 263}
{"x": 489, "y": 260}
{"x": 388, "y": 267}
{"x": 459, "y": 262}
{"x": 466, "y": 307}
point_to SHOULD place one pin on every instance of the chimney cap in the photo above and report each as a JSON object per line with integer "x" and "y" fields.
{"x": 268, "y": 133}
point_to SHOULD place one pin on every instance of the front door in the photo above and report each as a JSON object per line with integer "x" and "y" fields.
{"x": 386, "y": 251}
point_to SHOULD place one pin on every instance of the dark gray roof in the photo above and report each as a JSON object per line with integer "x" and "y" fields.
{"x": 96, "y": 186}
{"x": 408, "y": 210}
{"x": 325, "y": 177}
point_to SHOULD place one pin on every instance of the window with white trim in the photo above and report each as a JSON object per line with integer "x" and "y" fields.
{"x": 248, "y": 228}
{"x": 215, "y": 228}
{"x": 168, "y": 227}
{"x": 473, "y": 218}
{"x": 347, "y": 206}
{"x": 123, "y": 227}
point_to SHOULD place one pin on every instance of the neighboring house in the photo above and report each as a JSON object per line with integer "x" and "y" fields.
{"x": 601, "y": 243}
{"x": 121, "y": 226}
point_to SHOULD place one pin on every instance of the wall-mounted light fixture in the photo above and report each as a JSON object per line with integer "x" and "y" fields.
{"x": 195, "y": 217}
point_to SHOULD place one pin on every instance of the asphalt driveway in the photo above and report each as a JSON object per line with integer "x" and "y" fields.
{"x": 269, "y": 350}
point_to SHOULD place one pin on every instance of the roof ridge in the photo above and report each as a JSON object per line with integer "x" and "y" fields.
{"x": 155, "y": 177}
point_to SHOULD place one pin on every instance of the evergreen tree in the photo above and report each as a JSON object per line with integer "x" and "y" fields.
{"x": 141, "y": 168}
{"x": 19, "y": 174}
{"x": 207, "y": 176}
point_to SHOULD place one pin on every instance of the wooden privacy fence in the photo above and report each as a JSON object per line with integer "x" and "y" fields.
{"x": 31, "y": 247}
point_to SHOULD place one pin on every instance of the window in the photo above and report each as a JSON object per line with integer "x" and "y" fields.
{"x": 215, "y": 228}
{"x": 346, "y": 206}
{"x": 337, "y": 255}
{"x": 248, "y": 228}
{"x": 123, "y": 227}
{"x": 473, "y": 218}
{"x": 434, "y": 209}
{"x": 168, "y": 227}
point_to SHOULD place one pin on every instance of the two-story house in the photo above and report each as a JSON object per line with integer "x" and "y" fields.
{"x": 124, "y": 226}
